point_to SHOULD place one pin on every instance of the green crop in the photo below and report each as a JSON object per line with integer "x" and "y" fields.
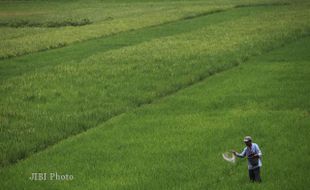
{"x": 50, "y": 102}
{"x": 147, "y": 94}
{"x": 77, "y": 21}
{"x": 176, "y": 142}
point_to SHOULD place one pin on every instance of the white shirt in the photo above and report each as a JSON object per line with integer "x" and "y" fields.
{"x": 248, "y": 151}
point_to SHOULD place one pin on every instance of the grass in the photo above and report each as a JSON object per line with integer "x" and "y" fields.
{"x": 50, "y": 102}
{"x": 176, "y": 142}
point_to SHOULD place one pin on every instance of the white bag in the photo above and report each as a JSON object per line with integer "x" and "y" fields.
{"x": 229, "y": 157}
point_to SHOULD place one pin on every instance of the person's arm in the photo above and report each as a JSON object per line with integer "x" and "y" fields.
{"x": 240, "y": 155}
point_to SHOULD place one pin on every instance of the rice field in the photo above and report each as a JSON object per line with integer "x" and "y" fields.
{"x": 148, "y": 94}
{"x": 31, "y": 26}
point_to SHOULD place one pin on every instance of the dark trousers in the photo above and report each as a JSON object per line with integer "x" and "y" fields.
{"x": 254, "y": 175}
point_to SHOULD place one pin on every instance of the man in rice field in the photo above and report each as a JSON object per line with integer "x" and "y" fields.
{"x": 253, "y": 153}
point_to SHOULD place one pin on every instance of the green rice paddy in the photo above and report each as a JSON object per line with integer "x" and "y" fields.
{"x": 148, "y": 94}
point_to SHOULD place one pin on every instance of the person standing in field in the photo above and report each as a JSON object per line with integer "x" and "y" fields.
{"x": 254, "y": 154}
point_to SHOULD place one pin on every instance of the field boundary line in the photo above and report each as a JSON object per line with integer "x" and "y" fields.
{"x": 261, "y": 5}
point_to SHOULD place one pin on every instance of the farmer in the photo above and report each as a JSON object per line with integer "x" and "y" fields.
{"x": 253, "y": 153}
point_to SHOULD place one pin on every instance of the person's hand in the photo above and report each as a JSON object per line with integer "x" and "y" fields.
{"x": 234, "y": 152}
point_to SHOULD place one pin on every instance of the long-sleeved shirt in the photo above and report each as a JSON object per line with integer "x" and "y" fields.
{"x": 248, "y": 152}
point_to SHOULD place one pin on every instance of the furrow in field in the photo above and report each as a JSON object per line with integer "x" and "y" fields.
{"x": 176, "y": 143}
{"x": 40, "y": 108}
